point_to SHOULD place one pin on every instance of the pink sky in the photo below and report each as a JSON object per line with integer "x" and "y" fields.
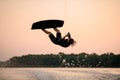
{"x": 94, "y": 24}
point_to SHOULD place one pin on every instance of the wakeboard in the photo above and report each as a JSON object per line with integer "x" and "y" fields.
{"x": 44, "y": 24}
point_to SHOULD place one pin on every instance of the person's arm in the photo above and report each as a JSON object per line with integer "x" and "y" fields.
{"x": 65, "y": 36}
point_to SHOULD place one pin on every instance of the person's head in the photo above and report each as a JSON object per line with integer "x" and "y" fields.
{"x": 72, "y": 42}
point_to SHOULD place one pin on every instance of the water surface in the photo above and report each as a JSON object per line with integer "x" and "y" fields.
{"x": 59, "y": 73}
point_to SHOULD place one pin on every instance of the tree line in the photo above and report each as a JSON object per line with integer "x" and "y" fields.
{"x": 64, "y": 60}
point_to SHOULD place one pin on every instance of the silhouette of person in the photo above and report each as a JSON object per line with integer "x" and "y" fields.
{"x": 66, "y": 41}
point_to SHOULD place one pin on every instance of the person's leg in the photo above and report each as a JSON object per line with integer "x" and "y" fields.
{"x": 47, "y": 32}
{"x": 58, "y": 34}
{"x": 58, "y": 31}
{"x": 51, "y": 36}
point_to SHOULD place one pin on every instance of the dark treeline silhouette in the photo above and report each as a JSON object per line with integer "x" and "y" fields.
{"x": 65, "y": 60}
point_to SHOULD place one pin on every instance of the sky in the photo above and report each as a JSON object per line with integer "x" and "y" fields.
{"x": 94, "y": 24}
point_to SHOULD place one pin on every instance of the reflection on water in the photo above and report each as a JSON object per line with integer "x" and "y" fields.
{"x": 59, "y": 73}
